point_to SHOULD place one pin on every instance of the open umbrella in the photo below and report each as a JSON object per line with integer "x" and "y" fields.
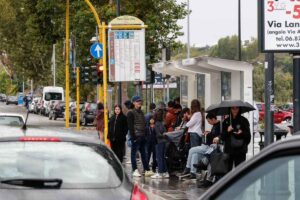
{"x": 223, "y": 108}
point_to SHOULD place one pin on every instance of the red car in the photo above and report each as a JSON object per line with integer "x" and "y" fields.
{"x": 279, "y": 115}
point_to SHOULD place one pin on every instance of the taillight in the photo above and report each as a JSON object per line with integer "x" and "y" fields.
{"x": 137, "y": 194}
{"x": 39, "y": 139}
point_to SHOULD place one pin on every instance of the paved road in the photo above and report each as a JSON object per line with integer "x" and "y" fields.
{"x": 160, "y": 189}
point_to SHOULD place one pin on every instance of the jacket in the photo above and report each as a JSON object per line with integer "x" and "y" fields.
{"x": 241, "y": 123}
{"x": 160, "y": 129}
{"x": 117, "y": 128}
{"x": 136, "y": 123}
{"x": 170, "y": 120}
{"x": 215, "y": 132}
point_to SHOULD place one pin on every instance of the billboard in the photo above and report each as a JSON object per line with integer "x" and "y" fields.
{"x": 279, "y": 25}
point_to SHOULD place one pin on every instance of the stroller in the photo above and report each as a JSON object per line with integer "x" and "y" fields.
{"x": 177, "y": 150}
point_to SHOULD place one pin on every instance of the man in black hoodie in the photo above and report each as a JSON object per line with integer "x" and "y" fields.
{"x": 137, "y": 128}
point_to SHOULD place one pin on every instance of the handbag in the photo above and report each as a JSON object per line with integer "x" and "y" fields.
{"x": 236, "y": 143}
{"x": 219, "y": 162}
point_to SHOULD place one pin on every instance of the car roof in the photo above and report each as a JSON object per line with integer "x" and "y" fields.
{"x": 276, "y": 148}
{"x": 12, "y": 114}
{"x": 8, "y": 132}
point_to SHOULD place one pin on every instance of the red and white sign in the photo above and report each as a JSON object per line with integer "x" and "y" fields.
{"x": 280, "y": 25}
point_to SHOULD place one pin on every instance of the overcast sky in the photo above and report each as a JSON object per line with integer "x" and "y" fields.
{"x": 212, "y": 19}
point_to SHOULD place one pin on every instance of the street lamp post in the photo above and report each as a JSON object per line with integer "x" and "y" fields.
{"x": 120, "y": 83}
{"x": 188, "y": 29}
{"x": 239, "y": 32}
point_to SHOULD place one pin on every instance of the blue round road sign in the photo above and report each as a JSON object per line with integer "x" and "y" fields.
{"x": 96, "y": 50}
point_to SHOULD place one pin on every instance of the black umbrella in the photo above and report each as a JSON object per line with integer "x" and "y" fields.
{"x": 223, "y": 108}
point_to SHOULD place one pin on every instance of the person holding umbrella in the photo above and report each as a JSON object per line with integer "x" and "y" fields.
{"x": 236, "y": 129}
{"x": 236, "y": 136}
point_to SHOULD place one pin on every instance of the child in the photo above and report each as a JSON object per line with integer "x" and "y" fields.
{"x": 150, "y": 143}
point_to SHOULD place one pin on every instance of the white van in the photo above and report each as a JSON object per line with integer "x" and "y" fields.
{"x": 51, "y": 94}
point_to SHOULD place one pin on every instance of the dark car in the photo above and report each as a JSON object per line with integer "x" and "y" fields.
{"x": 88, "y": 113}
{"x": 42, "y": 164}
{"x": 57, "y": 110}
{"x": 271, "y": 174}
{"x": 3, "y": 98}
{"x": 12, "y": 100}
{"x": 73, "y": 111}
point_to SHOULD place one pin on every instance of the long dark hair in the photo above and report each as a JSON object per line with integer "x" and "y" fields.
{"x": 195, "y": 106}
{"x": 118, "y": 106}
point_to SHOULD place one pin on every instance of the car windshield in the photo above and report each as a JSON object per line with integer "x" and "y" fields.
{"x": 78, "y": 165}
{"x": 53, "y": 96}
{"x": 93, "y": 106}
{"x": 11, "y": 120}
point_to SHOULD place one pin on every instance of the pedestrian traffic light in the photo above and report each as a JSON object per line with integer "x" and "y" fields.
{"x": 100, "y": 73}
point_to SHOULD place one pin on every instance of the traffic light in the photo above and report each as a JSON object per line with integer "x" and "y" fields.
{"x": 100, "y": 74}
{"x": 84, "y": 75}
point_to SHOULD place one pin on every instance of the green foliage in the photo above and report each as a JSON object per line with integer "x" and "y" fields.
{"x": 226, "y": 48}
{"x": 28, "y": 28}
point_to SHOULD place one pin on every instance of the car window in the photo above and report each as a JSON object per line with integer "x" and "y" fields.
{"x": 78, "y": 165}
{"x": 259, "y": 106}
{"x": 53, "y": 96}
{"x": 11, "y": 120}
{"x": 278, "y": 178}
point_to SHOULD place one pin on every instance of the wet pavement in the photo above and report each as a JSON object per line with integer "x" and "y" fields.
{"x": 157, "y": 189}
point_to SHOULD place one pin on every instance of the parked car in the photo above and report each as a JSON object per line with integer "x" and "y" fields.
{"x": 11, "y": 119}
{"x": 45, "y": 164}
{"x": 73, "y": 111}
{"x": 279, "y": 115}
{"x": 288, "y": 107}
{"x": 88, "y": 113}
{"x": 57, "y": 110}
{"x": 271, "y": 174}
{"x": 2, "y": 98}
{"x": 12, "y": 100}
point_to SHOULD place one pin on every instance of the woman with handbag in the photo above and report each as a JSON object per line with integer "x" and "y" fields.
{"x": 236, "y": 136}
{"x": 117, "y": 130}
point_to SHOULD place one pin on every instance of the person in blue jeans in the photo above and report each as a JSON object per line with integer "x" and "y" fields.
{"x": 160, "y": 147}
{"x": 137, "y": 128}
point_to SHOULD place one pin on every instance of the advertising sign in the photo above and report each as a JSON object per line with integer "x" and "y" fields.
{"x": 279, "y": 25}
{"x": 127, "y": 55}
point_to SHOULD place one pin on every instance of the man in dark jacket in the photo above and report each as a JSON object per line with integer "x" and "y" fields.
{"x": 137, "y": 127}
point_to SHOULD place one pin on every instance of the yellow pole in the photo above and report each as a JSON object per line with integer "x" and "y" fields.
{"x": 77, "y": 98}
{"x": 104, "y": 66}
{"x": 67, "y": 63}
{"x": 105, "y": 84}
{"x": 101, "y": 93}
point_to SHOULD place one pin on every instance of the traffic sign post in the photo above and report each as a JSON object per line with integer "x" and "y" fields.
{"x": 96, "y": 50}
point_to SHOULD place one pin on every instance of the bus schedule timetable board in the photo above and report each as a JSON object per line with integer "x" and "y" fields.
{"x": 279, "y": 25}
{"x": 127, "y": 55}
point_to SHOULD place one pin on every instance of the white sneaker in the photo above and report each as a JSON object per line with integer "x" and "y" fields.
{"x": 149, "y": 173}
{"x": 166, "y": 175}
{"x": 136, "y": 173}
{"x": 157, "y": 176}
